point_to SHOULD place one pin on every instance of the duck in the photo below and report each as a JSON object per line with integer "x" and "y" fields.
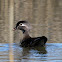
{"x": 27, "y": 40}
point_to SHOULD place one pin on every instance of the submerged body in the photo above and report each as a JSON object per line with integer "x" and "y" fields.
{"x": 28, "y": 41}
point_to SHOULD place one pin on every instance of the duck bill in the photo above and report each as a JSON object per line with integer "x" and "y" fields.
{"x": 14, "y": 29}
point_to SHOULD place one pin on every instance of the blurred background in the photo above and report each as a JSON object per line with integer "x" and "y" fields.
{"x": 44, "y": 15}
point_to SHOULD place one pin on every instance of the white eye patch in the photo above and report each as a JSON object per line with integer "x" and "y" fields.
{"x": 27, "y": 26}
{"x": 22, "y": 24}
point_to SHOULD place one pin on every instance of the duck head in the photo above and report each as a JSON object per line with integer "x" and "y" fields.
{"x": 24, "y": 26}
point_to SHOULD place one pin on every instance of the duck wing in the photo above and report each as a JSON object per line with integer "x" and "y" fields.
{"x": 39, "y": 41}
{"x": 31, "y": 42}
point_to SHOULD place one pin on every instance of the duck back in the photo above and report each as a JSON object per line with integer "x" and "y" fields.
{"x": 32, "y": 42}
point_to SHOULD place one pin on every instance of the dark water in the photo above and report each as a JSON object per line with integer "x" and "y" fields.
{"x": 51, "y": 53}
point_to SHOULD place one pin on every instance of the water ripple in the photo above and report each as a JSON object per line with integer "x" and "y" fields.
{"x": 51, "y": 53}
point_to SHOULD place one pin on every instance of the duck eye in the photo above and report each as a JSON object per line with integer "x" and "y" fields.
{"x": 20, "y": 24}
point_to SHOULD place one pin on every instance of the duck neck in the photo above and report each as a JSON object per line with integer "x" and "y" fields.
{"x": 26, "y": 35}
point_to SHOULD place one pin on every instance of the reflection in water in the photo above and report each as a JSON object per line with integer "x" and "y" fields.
{"x": 37, "y": 53}
{"x": 37, "y": 50}
{"x": 31, "y": 54}
{"x": 51, "y": 53}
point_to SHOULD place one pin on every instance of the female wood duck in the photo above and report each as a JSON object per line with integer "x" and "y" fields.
{"x": 28, "y": 41}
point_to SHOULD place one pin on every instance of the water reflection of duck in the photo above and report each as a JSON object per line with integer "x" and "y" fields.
{"x": 29, "y": 53}
{"x": 28, "y": 41}
{"x": 36, "y": 50}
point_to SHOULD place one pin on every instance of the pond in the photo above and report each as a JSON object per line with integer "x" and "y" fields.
{"x": 52, "y": 52}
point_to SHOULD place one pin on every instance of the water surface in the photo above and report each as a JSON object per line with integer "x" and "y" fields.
{"x": 52, "y": 52}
